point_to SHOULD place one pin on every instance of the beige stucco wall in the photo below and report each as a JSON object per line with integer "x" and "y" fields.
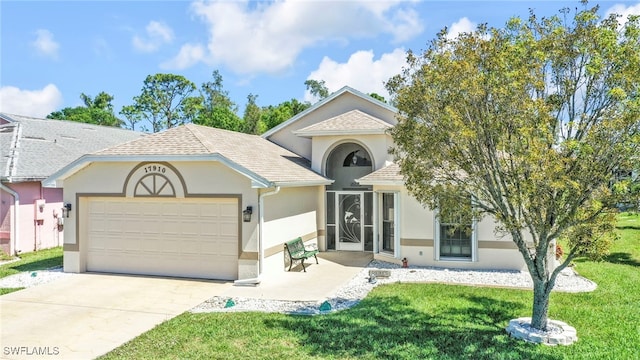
{"x": 200, "y": 178}
{"x": 417, "y": 234}
{"x": 291, "y": 213}
{"x": 341, "y": 104}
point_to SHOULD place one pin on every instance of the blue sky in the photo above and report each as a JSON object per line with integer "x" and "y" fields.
{"x": 51, "y": 51}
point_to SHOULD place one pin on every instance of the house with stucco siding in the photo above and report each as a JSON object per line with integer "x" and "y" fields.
{"x": 201, "y": 202}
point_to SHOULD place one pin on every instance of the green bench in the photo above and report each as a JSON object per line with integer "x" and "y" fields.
{"x": 297, "y": 251}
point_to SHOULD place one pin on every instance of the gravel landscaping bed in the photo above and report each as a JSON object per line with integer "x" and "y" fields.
{"x": 33, "y": 278}
{"x": 354, "y": 291}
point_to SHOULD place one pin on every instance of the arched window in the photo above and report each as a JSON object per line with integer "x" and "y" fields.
{"x": 356, "y": 158}
{"x": 154, "y": 185}
{"x": 346, "y": 163}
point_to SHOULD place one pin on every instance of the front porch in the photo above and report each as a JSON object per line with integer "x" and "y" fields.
{"x": 320, "y": 282}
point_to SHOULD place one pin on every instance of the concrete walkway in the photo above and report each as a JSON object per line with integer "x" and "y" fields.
{"x": 87, "y": 315}
{"x": 320, "y": 282}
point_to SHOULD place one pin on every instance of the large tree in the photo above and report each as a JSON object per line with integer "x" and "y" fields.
{"x": 527, "y": 124}
{"x": 253, "y": 117}
{"x": 98, "y": 110}
{"x": 217, "y": 109}
{"x": 165, "y": 101}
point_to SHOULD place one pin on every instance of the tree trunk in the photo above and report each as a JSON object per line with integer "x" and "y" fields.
{"x": 541, "y": 295}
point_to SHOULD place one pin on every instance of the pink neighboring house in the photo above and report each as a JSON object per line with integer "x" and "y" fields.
{"x": 31, "y": 149}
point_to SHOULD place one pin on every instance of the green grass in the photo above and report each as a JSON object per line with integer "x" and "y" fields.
{"x": 422, "y": 321}
{"x": 37, "y": 260}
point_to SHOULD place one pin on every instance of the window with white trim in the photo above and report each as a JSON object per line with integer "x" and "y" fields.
{"x": 455, "y": 234}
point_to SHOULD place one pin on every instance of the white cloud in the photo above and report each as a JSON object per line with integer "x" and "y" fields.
{"x": 45, "y": 45}
{"x": 407, "y": 24}
{"x": 361, "y": 72}
{"x": 157, "y": 34}
{"x": 189, "y": 55}
{"x": 461, "y": 26}
{"x": 623, "y": 10}
{"x": 36, "y": 103}
{"x": 251, "y": 37}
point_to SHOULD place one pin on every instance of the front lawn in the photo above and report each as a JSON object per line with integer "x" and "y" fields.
{"x": 422, "y": 321}
{"x": 37, "y": 260}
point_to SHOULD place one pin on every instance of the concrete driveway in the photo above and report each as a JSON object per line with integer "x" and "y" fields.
{"x": 86, "y": 315}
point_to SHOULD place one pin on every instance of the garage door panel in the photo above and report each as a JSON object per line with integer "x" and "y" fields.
{"x": 189, "y": 228}
{"x": 170, "y": 247}
{"x": 97, "y": 243}
{"x": 171, "y": 227}
{"x": 132, "y": 245}
{"x": 170, "y": 209}
{"x": 170, "y": 237}
{"x": 228, "y": 207}
{"x": 190, "y": 246}
{"x": 228, "y": 229}
{"x": 96, "y": 224}
{"x": 114, "y": 243}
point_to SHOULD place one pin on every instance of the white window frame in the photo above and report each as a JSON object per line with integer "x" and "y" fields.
{"x": 377, "y": 219}
{"x": 436, "y": 242}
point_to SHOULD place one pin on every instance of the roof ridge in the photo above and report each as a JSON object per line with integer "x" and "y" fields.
{"x": 13, "y": 148}
{"x": 195, "y": 131}
{"x": 376, "y": 119}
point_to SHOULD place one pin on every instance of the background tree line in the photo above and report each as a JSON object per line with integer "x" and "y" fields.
{"x": 170, "y": 100}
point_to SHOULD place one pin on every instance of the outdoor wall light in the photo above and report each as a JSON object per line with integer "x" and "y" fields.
{"x": 246, "y": 214}
{"x": 66, "y": 209}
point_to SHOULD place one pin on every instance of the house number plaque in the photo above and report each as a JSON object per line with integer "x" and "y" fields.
{"x": 155, "y": 169}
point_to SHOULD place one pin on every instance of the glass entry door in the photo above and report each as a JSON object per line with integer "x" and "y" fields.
{"x": 350, "y": 221}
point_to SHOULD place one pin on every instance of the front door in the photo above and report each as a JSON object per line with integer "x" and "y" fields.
{"x": 353, "y": 216}
{"x": 350, "y": 223}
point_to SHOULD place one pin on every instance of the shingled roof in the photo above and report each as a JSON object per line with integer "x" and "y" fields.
{"x": 351, "y": 122}
{"x": 32, "y": 149}
{"x": 388, "y": 175}
{"x": 251, "y": 153}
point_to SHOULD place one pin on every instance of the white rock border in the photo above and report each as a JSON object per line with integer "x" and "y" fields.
{"x": 559, "y": 332}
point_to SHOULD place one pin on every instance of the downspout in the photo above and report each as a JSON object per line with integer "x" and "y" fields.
{"x": 16, "y": 209}
{"x": 256, "y": 280}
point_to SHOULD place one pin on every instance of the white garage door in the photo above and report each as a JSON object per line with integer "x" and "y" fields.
{"x": 171, "y": 237}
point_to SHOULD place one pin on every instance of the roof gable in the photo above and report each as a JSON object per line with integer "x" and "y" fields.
{"x": 352, "y": 122}
{"x": 337, "y": 104}
{"x": 327, "y": 100}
